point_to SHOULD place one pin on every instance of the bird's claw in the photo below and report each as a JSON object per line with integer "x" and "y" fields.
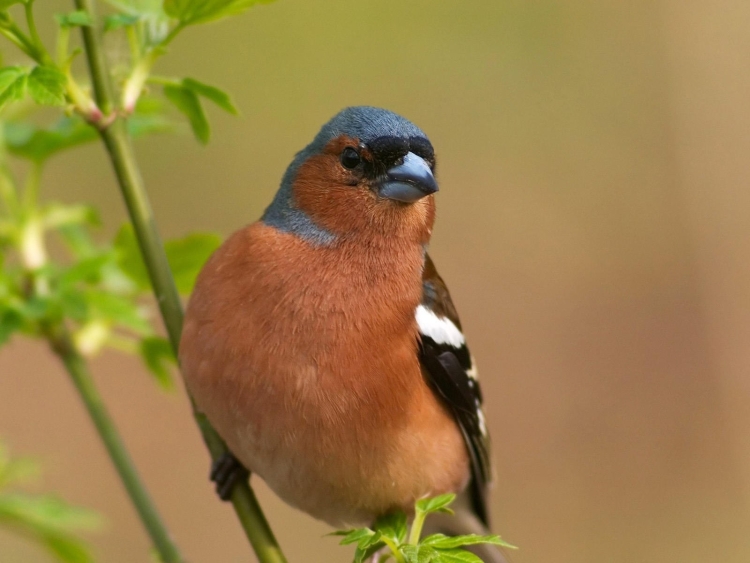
{"x": 226, "y": 472}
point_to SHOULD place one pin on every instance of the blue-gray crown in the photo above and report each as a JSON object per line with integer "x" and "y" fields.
{"x": 365, "y": 123}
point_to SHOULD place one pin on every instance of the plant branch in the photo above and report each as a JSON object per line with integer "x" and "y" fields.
{"x": 172, "y": 34}
{"x": 96, "y": 61}
{"x": 77, "y": 368}
{"x": 20, "y": 40}
{"x": 394, "y": 548}
{"x": 35, "y": 38}
{"x": 416, "y": 527}
{"x": 117, "y": 142}
{"x": 61, "y": 49}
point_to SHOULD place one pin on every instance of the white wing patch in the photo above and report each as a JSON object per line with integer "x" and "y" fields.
{"x": 472, "y": 371}
{"x": 482, "y": 424}
{"x": 440, "y": 329}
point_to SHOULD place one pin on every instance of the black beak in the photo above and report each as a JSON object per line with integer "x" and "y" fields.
{"x": 410, "y": 181}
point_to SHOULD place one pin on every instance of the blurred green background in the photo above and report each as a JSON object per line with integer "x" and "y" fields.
{"x": 593, "y": 225}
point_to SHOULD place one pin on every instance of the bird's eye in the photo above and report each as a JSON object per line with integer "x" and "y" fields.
{"x": 350, "y": 158}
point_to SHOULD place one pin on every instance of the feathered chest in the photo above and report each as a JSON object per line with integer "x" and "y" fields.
{"x": 306, "y": 361}
{"x": 328, "y": 296}
{"x": 320, "y": 317}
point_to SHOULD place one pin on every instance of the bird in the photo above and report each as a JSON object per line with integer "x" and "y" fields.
{"x": 324, "y": 347}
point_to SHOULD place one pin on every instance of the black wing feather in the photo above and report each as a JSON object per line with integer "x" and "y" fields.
{"x": 447, "y": 368}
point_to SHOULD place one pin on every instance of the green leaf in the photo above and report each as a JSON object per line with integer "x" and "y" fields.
{"x": 117, "y": 309}
{"x": 456, "y": 556}
{"x": 419, "y": 553}
{"x": 368, "y": 542}
{"x": 16, "y": 471}
{"x": 355, "y": 536}
{"x": 187, "y": 102}
{"x": 38, "y": 144}
{"x": 51, "y": 522}
{"x": 47, "y": 86}
{"x": 79, "y": 18}
{"x": 87, "y": 270}
{"x": 47, "y": 512}
{"x": 10, "y": 322}
{"x": 364, "y": 553}
{"x": 186, "y": 257}
{"x": 78, "y": 240}
{"x": 129, "y": 257}
{"x": 67, "y": 548}
{"x": 27, "y": 141}
{"x": 13, "y": 80}
{"x": 190, "y": 12}
{"x": 73, "y": 304}
{"x": 5, "y": 4}
{"x": 393, "y": 526}
{"x": 56, "y": 215}
{"x": 158, "y": 357}
{"x": 217, "y": 96}
{"x": 148, "y": 8}
{"x": 36, "y": 308}
{"x": 142, "y": 125}
{"x": 116, "y": 21}
{"x": 441, "y": 541}
{"x": 437, "y": 504}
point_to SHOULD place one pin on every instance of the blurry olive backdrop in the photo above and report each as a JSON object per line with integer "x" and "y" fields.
{"x": 593, "y": 225}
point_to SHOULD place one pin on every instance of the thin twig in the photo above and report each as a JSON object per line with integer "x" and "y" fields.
{"x": 76, "y": 366}
{"x": 117, "y": 142}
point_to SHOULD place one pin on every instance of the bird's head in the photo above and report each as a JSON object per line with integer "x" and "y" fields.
{"x": 367, "y": 172}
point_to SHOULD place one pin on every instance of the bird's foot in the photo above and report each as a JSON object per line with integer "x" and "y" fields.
{"x": 226, "y": 472}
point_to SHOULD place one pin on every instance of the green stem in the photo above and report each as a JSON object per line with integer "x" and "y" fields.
{"x": 121, "y": 154}
{"x": 416, "y": 527}
{"x": 20, "y": 40}
{"x": 171, "y": 35}
{"x": 96, "y": 62}
{"x": 61, "y": 50}
{"x": 394, "y": 548}
{"x": 133, "y": 43}
{"x": 123, "y": 344}
{"x": 35, "y": 38}
{"x": 79, "y": 373}
{"x": 117, "y": 142}
{"x": 13, "y": 38}
{"x": 135, "y": 82}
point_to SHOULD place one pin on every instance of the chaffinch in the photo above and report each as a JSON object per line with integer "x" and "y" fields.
{"x": 323, "y": 345}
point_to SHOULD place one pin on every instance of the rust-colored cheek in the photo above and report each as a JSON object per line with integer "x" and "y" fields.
{"x": 342, "y": 202}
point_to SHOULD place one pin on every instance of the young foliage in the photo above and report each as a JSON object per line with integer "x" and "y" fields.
{"x": 38, "y": 144}
{"x": 186, "y": 95}
{"x": 186, "y": 257}
{"x": 12, "y": 84}
{"x": 389, "y": 537}
{"x": 48, "y": 520}
{"x": 145, "y": 8}
{"x": 95, "y": 293}
{"x": 91, "y": 298}
{"x": 187, "y": 102}
{"x": 47, "y": 86}
{"x": 191, "y": 12}
{"x": 79, "y": 18}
